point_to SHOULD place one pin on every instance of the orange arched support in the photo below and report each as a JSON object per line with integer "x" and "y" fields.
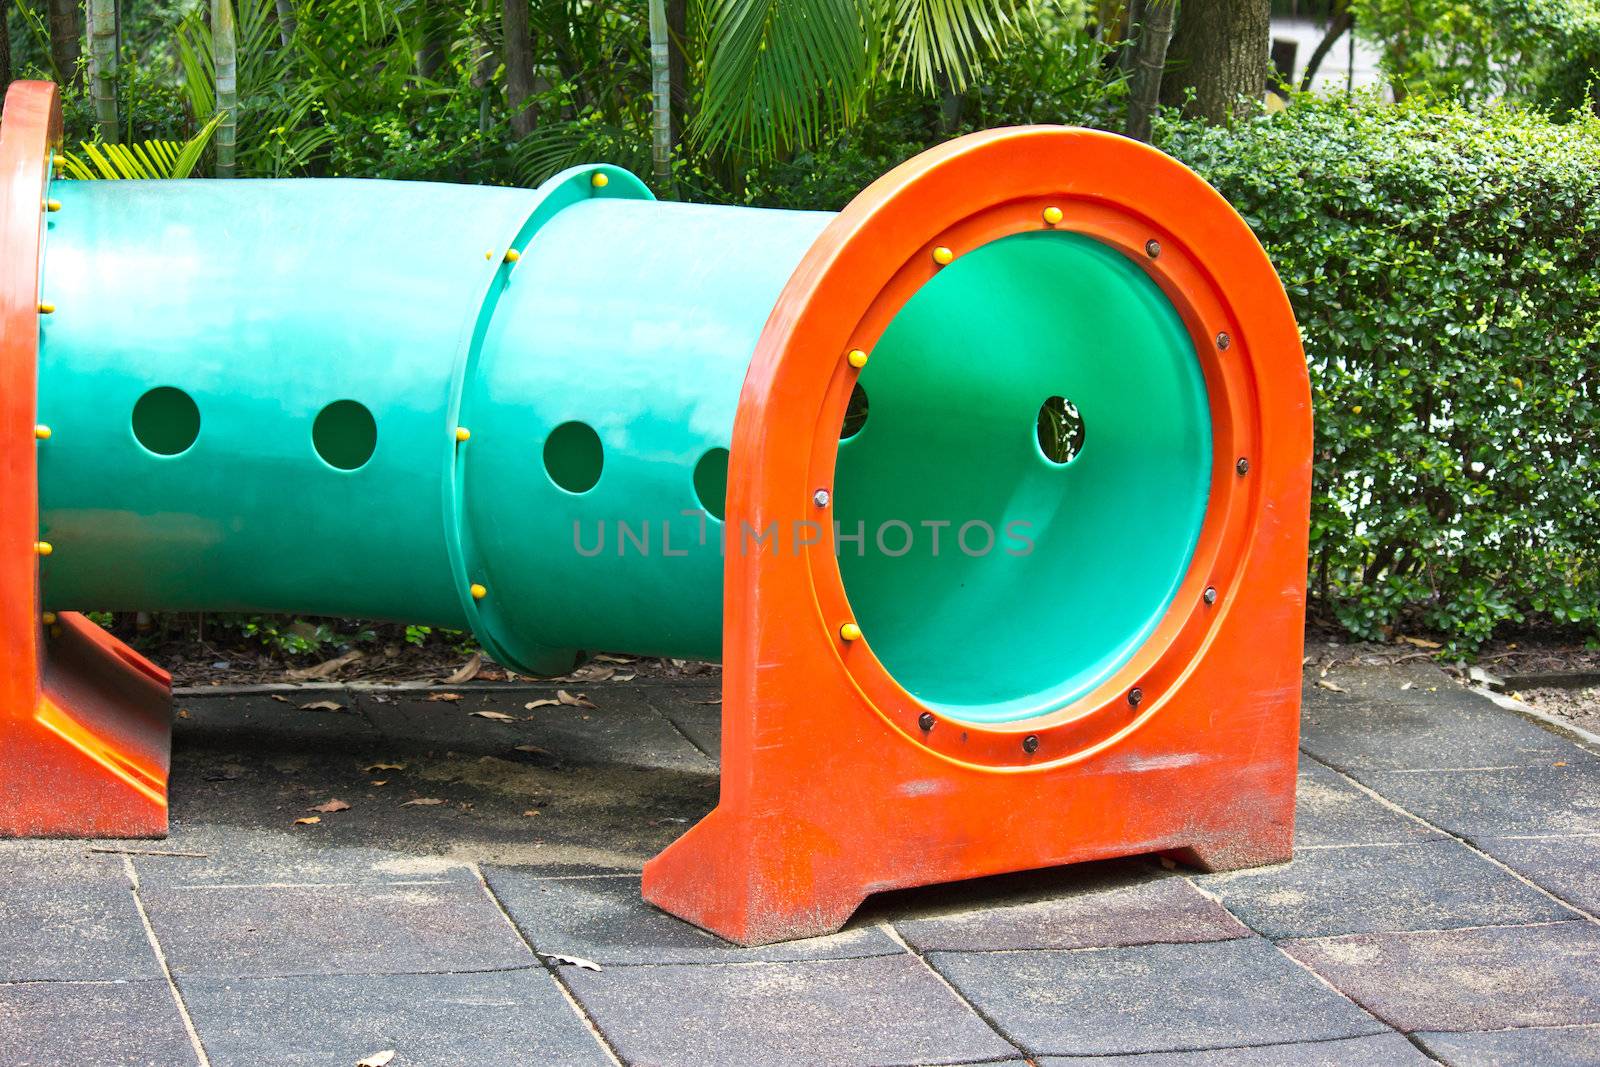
{"x": 84, "y": 720}
{"x": 831, "y": 788}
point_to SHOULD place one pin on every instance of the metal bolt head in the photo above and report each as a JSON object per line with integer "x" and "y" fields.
{"x": 1030, "y": 744}
{"x": 925, "y": 721}
{"x": 1135, "y": 697}
{"x": 1243, "y": 466}
{"x": 820, "y": 498}
{"x": 1223, "y": 341}
{"x": 1152, "y": 248}
{"x": 1210, "y": 595}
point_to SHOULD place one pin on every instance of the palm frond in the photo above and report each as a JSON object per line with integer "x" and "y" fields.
{"x": 144, "y": 160}
{"x": 779, "y": 71}
{"x": 929, "y": 41}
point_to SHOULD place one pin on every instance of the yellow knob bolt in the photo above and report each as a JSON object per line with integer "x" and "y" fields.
{"x": 478, "y": 591}
{"x": 43, "y": 548}
{"x": 850, "y": 632}
{"x": 47, "y": 309}
{"x": 42, "y": 432}
{"x": 48, "y": 618}
{"x": 52, "y": 205}
{"x": 462, "y": 433}
{"x": 943, "y": 255}
{"x": 1052, "y": 215}
{"x": 598, "y": 180}
{"x": 857, "y": 358}
{"x": 489, "y": 254}
{"x": 512, "y": 255}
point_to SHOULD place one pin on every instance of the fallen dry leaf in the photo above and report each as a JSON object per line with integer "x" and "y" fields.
{"x": 280, "y": 698}
{"x": 322, "y": 705}
{"x": 449, "y": 698}
{"x": 369, "y": 768}
{"x": 592, "y": 672}
{"x": 1421, "y": 642}
{"x": 1408, "y": 685}
{"x": 422, "y": 802}
{"x": 380, "y": 781}
{"x": 329, "y": 806}
{"x": 183, "y": 713}
{"x": 326, "y": 669}
{"x": 377, "y": 1059}
{"x": 535, "y": 749}
{"x": 716, "y": 701}
{"x": 497, "y": 716}
{"x": 1335, "y": 686}
{"x": 530, "y": 813}
{"x": 310, "y": 820}
{"x": 545, "y": 703}
{"x": 578, "y": 701}
{"x": 469, "y": 670}
{"x": 606, "y": 657}
{"x": 576, "y": 961}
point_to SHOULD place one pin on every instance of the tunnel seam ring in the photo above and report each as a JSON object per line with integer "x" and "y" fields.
{"x": 474, "y": 580}
{"x": 962, "y": 210}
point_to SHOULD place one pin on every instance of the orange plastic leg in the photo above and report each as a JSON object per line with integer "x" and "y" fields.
{"x": 85, "y": 729}
{"x": 837, "y": 782}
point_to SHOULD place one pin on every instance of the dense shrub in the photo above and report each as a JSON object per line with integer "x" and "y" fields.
{"x": 1445, "y": 269}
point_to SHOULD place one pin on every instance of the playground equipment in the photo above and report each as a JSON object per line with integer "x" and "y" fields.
{"x": 574, "y": 418}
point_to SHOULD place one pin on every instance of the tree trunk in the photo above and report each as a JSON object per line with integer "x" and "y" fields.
{"x": 66, "y": 34}
{"x": 517, "y": 30}
{"x": 660, "y": 95}
{"x": 103, "y": 65}
{"x": 5, "y": 51}
{"x": 678, "y": 64}
{"x": 286, "y": 21}
{"x": 225, "y": 50}
{"x": 1221, "y": 52}
{"x": 1149, "y": 63}
{"x": 1341, "y": 23}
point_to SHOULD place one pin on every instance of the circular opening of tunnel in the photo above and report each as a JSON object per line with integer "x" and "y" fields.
{"x": 345, "y": 435}
{"x": 855, "y": 413}
{"x": 573, "y": 457}
{"x": 166, "y": 421}
{"x": 711, "y": 482}
{"x": 1009, "y": 560}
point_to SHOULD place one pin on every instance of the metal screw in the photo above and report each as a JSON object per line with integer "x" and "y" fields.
{"x": 1152, "y": 249}
{"x": 820, "y": 498}
{"x": 925, "y": 720}
{"x": 1243, "y": 466}
{"x": 1030, "y": 744}
{"x": 1223, "y": 341}
{"x": 1210, "y": 595}
{"x": 1135, "y": 697}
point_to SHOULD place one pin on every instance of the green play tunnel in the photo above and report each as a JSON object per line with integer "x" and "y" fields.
{"x": 340, "y": 397}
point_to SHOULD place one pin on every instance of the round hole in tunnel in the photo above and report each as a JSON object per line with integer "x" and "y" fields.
{"x": 345, "y": 435}
{"x": 1025, "y": 583}
{"x": 855, "y": 413}
{"x": 711, "y": 482}
{"x": 1060, "y": 430}
{"x": 573, "y": 457}
{"x": 166, "y": 421}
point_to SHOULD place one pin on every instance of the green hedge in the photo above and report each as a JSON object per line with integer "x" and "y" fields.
{"x": 1444, "y": 266}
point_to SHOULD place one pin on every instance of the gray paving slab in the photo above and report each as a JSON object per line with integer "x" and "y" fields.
{"x": 1447, "y": 730}
{"x": 283, "y": 854}
{"x": 1152, "y": 998}
{"x": 1427, "y": 885}
{"x": 263, "y": 931}
{"x": 1545, "y": 1046}
{"x": 107, "y": 1024}
{"x": 1331, "y": 810}
{"x": 1561, "y": 798}
{"x": 430, "y": 1020}
{"x": 66, "y": 915}
{"x": 696, "y": 714}
{"x": 1569, "y": 867}
{"x": 1485, "y": 979}
{"x": 882, "y": 1011}
{"x": 1100, "y": 906}
{"x": 624, "y": 727}
{"x": 1380, "y": 1050}
{"x": 237, "y": 723}
{"x": 605, "y": 920}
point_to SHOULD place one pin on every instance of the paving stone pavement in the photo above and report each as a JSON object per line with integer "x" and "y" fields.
{"x": 1442, "y": 907}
